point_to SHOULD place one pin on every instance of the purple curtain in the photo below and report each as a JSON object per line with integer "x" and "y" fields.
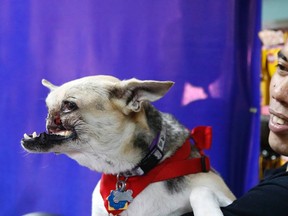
{"x": 209, "y": 49}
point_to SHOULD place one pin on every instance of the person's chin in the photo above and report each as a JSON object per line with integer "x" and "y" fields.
{"x": 279, "y": 143}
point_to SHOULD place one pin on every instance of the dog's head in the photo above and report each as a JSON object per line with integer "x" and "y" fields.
{"x": 95, "y": 118}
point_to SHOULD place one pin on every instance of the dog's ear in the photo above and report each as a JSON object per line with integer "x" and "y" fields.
{"x": 48, "y": 85}
{"x": 132, "y": 93}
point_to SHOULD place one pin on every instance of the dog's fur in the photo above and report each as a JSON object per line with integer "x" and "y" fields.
{"x": 107, "y": 125}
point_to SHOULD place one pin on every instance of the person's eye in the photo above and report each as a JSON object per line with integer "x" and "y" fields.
{"x": 281, "y": 67}
{"x": 68, "y": 106}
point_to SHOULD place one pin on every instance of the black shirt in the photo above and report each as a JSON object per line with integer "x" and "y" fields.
{"x": 268, "y": 198}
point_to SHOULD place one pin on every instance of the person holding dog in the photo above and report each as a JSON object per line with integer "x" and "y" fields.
{"x": 270, "y": 196}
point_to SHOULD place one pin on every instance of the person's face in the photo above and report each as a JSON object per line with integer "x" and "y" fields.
{"x": 278, "y": 124}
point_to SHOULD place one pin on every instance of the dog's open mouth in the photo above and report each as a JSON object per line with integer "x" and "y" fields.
{"x": 44, "y": 141}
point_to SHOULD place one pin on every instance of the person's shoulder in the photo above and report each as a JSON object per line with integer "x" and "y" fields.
{"x": 275, "y": 177}
{"x": 274, "y": 173}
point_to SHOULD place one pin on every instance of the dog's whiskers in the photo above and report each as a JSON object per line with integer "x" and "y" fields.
{"x": 25, "y": 153}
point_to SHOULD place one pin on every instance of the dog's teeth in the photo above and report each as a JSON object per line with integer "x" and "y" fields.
{"x": 34, "y": 135}
{"x": 64, "y": 133}
{"x": 26, "y": 136}
{"x": 68, "y": 133}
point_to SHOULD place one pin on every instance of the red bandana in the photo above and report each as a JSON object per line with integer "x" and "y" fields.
{"x": 177, "y": 165}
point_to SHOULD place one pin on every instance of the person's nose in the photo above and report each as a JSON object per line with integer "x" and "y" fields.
{"x": 280, "y": 92}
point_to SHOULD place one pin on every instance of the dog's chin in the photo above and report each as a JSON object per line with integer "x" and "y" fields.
{"x": 44, "y": 142}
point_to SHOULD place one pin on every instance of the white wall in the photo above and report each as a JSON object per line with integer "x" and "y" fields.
{"x": 275, "y": 13}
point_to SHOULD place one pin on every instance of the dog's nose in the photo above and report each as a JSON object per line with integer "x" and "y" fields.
{"x": 57, "y": 120}
{"x": 55, "y": 125}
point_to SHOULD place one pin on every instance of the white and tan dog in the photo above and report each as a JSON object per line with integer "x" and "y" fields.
{"x": 110, "y": 126}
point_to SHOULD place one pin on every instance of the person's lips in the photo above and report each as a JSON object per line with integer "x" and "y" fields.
{"x": 278, "y": 123}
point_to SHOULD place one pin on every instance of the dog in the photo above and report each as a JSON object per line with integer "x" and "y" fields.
{"x": 146, "y": 156}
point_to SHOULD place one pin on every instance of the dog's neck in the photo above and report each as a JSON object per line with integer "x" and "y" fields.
{"x": 164, "y": 144}
{"x": 152, "y": 158}
{"x": 164, "y": 129}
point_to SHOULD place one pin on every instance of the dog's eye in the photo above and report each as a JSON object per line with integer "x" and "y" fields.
{"x": 68, "y": 106}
